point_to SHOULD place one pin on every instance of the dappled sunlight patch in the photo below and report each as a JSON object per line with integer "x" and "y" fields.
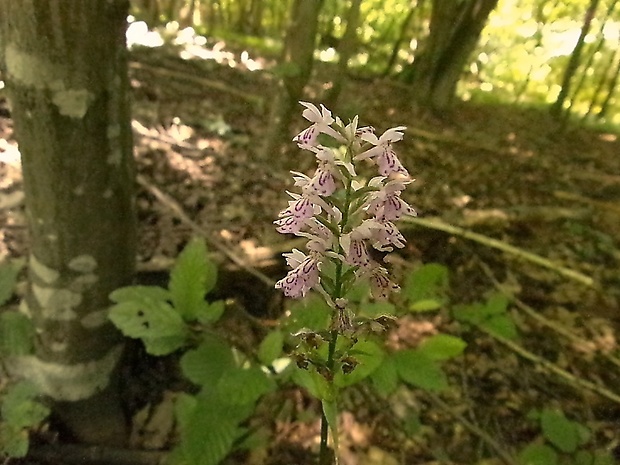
{"x": 191, "y": 45}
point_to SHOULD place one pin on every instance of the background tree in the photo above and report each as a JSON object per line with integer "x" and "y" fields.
{"x": 454, "y": 31}
{"x": 573, "y": 63}
{"x": 66, "y": 74}
{"x": 346, "y": 49}
{"x": 295, "y": 70}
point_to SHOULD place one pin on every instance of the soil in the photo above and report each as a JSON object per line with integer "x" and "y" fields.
{"x": 508, "y": 173}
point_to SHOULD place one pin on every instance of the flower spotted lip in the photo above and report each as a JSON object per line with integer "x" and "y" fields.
{"x": 321, "y": 124}
{"x": 341, "y": 214}
{"x": 382, "y": 153}
{"x": 303, "y": 277}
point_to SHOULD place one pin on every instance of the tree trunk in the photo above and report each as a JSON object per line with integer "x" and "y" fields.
{"x": 346, "y": 48}
{"x": 573, "y": 63}
{"x": 402, "y": 35}
{"x": 66, "y": 73}
{"x": 296, "y": 66}
{"x": 455, "y": 29}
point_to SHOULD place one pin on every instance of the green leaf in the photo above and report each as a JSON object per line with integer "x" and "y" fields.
{"x": 583, "y": 457}
{"x": 368, "y": 356}
{"x": 16, "y": 334}
{"x": 20, "y": 407}
{"x": 208, "y": 432}
{"x": 430, "y": 282}
{"x": 147, "y": 319}
{"x": 603, "y": 458}
{"x": 271, "y": 347}
{"x": 385, "y": 377}
{"x": 205, "y": 365}
{"x": 9, "y": 270}
{"x": 375, "y": 309}
{"x": 313, "y": 382}
{"x": 160, "y": 346}
{"x": 192, "y": 276}
{"x": 496, "y": 304}
{"x": 184, "y": 407}
{"x": 538, "y": 454}
{"x": 311, "y": 313}
{"x": 500, "y": 325}
{"x": 244, "y": 386}
{"x": 492, "y": 316}
{"x": 330, "y": 409}
{"x": 559, "y": 430}
{"x": 418, "y": 369}
{"x": 442, "y": 347}
{"x": 425, "y": 305}
{"x": 13, "y": 442}
{"x": 208, "y": 313}
{"x": 140, "y": 294}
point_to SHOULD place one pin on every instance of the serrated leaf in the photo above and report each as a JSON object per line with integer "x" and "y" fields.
{"x": 20, "y": 407}
{"x": 184, "y": 407}
{"x": 385, "y": 377}
{"x": 496, "y": 304}
{"x": 425, "y": 305}
{"x": 205, "y": 365}
{"x": 442, "y": 347}
{"x": 140, "y": 294}
{"x": 9, "y": 270}
{"x": 311, "y": 313}
{"x": 418, "y": 369}
{"x": 428, "y": 282}
{"x": 500, "y": 325}
{"x": 209, "y": 313}
{"x": 147, "y": 319}
{"x": 472, "y": 314}
{"x": 13, "y": 441}
{"x": 583, "y": 457}
{"x": 271, "y": 347}
{"x": 313, "y": 382}
{"x": 244, "y": 386}
{"x": 375, "y": 309}
{"x": 368, "y": 355}
{"x": 559, "y": 430}
{"x": 538, "y": 454}
{"x": 160, "y": 346}
{"x": 16, "y": 334}
{"x": 603, "y": 458}
{"x": 209, "y": 432}
{"x": 192, "y": 276}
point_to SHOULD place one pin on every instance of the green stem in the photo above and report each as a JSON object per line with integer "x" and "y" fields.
{"x": 325, "y": 457}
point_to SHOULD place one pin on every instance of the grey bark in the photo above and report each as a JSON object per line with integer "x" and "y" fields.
{"x": 455, "y": 29}
{"x": 66, "y": 73}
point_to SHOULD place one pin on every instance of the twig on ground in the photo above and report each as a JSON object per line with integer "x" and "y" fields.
{"x": 499, "y": 450}
{"x": 553, "y": 368}
{"x": 435, "y": 223}
{"x": 178, "y": 211}
{"x": 532, "y": 313}
{"x": 201, "y": 81}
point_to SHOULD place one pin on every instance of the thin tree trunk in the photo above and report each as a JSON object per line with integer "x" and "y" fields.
{"x": 297, "y": 61}
{"x": 573, "y": 63}
{"x": 611, "y": 88}
{"x": 345, "y": 51}
{"x": 454, "y": 33}
{"x": 66, "y": 73}
{"x": 415, "y": 6}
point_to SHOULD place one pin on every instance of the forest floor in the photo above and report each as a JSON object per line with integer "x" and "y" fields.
{"x": 507, "y": 173}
